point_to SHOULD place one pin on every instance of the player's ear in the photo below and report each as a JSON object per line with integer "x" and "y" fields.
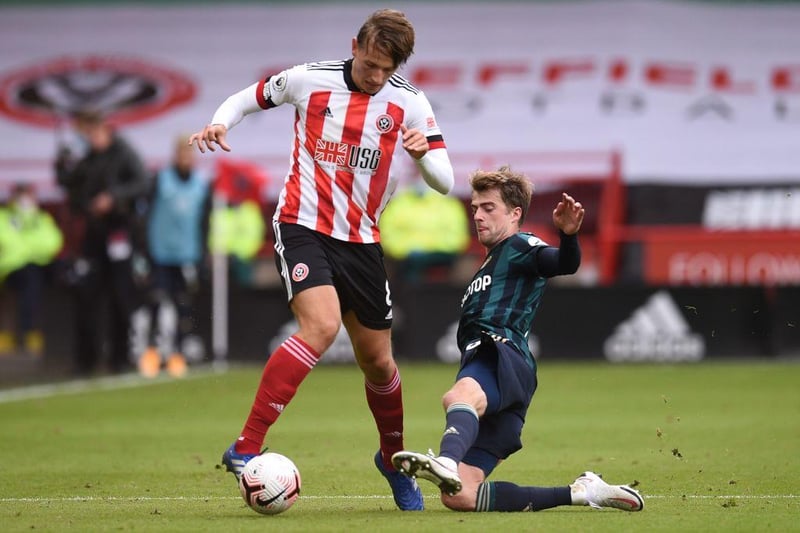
{"x": 354, "y": 46}
{"x": 516, "y": 215}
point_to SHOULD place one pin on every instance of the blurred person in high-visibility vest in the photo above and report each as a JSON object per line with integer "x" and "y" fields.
{"x": 423, "y": 229}
{"x": 237, "y": 226}
{"x": 29, "y": 241}
{"x": 237, "y": 230}
{"x": 176, "y": 227}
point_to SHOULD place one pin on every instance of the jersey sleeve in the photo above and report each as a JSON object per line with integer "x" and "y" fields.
{"x": 281, "y": 88}
{"x": 565, "y": 259}
{"x": 270, "y": 92}
{"x": 435, "y": 166}
{"x": 527, "y": 248}
{"x": 420, "y": 116}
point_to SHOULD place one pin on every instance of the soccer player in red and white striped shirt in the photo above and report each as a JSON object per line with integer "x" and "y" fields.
{"x": 353, "y": 119}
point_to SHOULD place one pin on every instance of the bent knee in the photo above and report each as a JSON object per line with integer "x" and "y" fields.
{"x": 466, "y": 391}
{"x": 463, "y": 501}
{"x": 378, "y": 363}
{"x": 452, "y": 396}
{"x": 320, "y": 333}
{"x": 446, "y": 400}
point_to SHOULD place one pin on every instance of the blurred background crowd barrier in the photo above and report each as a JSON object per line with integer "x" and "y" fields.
{"x": 676, "y": 123}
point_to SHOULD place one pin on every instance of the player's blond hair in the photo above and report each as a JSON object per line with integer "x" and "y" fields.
{"x": 390, "y": 32}
{"x": 515, "y": 188}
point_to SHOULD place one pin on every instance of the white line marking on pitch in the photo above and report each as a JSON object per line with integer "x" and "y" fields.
{"x": 363, "y": 497}
{"x": 723, "y": 496}
{"x": 106, "y": 383}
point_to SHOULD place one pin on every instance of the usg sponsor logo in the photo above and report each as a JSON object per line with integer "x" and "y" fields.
{"x": 347, "y": 156}
{"x": 657, "y": 331}
{"x": 126, "y": 89}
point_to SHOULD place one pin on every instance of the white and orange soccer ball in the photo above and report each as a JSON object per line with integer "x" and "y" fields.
{"x": 270, "y": 483}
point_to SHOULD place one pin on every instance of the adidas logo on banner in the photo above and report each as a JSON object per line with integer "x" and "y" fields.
{"x": 657, "y": 331}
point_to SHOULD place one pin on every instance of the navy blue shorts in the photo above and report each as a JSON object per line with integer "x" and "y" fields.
{"x": 306, "y": 258}
{"x": 509, "y": 382}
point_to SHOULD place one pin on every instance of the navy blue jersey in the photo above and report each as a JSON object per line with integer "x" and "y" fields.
{"x": 504, "y": 295}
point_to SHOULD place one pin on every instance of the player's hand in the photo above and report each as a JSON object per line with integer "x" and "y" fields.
{"x": 568, "y": 215}
{"x": 101, "y": 204}
{"x": 211, "y": 134}
{"x": 414, "y": 142}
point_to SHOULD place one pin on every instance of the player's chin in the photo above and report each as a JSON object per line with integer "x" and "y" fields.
{"x": 485, "y": 239}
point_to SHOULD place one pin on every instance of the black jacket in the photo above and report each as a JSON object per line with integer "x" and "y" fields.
{"x": 117, "y": 170}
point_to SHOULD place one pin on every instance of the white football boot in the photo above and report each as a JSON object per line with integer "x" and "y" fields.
{"x": 441, "y": 471}
{"x": 590, "y": 489}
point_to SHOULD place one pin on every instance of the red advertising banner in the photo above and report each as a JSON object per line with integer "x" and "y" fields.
{"x": 698, "y": 257}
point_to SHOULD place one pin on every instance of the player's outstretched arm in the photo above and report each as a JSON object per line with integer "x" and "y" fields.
{"x": 566, "y": 258}
{"x": 227, "y": 115}
{"x": 568, "y": 215}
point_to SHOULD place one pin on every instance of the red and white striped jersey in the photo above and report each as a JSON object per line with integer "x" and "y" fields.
{"x": 340, "y": 176}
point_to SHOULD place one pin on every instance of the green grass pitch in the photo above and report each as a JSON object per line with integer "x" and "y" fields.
{"x": 711, "y": 446}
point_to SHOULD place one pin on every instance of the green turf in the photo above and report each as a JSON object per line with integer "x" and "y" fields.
{"x": 713, "y": 447}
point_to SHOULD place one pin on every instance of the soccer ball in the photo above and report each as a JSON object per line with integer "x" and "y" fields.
{"x": 270, "y": 483}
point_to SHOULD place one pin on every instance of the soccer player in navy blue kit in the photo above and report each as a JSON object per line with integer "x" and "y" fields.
{"x": 486, "y": 407}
